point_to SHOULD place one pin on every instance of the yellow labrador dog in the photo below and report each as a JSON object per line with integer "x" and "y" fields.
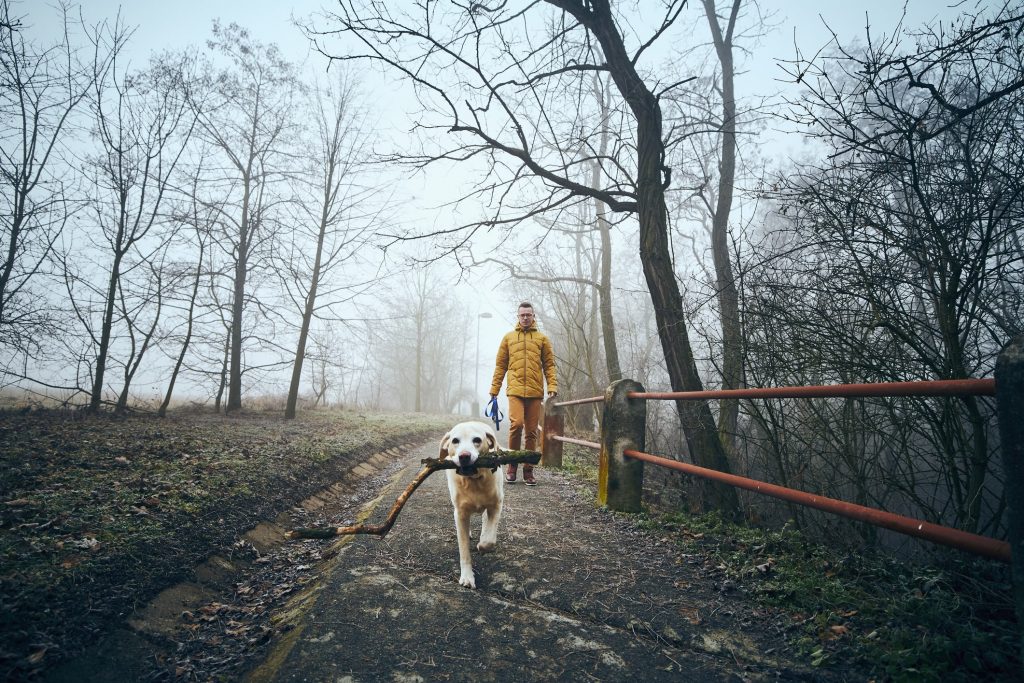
{"x": 473, "y": 490}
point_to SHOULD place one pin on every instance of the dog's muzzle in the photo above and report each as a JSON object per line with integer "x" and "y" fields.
{"x": 465, "y": 465}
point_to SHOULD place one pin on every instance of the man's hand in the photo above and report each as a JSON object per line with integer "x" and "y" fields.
{"x": 552, "y": 394}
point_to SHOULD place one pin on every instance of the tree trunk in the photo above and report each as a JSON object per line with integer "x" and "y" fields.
{"x": 238, "y": 306}
{"x": 419, "y": 356}
{"x": 728, "y": 297}
{"x": 223, "y": 373}
{"x": 106, "y": 330}
{"x": 162, "y": 411}
{"x": 307, "y": 318}
{"x": 235, "y": 367}
{"x": 13, "y": 244}
{"x": 132, "y": 366}
{"x": 611, "y": 348}
{"x": 695, "y": 416}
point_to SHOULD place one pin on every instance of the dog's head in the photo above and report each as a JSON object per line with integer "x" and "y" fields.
{"x": 465, "y": 442}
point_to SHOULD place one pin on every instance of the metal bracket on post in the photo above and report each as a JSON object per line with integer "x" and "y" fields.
{"x": 554, "y": 425}
{"x": 1010, "y": 406}
{"x": 624, "y": 426}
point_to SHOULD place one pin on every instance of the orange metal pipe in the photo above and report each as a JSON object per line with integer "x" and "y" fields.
{"x": 951, "y": 387}
{"x": 580, "y": 442}
{"x": 580, "y": 401}
{"x": 980, "y": 545}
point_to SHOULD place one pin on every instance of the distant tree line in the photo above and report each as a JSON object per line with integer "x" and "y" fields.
{"x": 207, "y": 214}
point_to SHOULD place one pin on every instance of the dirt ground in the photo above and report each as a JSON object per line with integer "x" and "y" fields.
{"x": 99, "y": 514}
{"x": 572, "y": 593}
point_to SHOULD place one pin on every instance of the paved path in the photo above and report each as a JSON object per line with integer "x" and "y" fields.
{"x": 571, "y": 594}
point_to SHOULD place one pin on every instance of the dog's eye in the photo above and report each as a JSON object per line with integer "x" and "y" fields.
{"x": 455, "y": 442}
{"x": 477, "y": 440}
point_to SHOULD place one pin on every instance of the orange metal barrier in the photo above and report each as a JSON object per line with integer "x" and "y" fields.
{"x": 951, "y": 387}
{"x": 981, "y": 545}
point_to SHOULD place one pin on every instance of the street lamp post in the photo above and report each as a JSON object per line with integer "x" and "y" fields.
{"x": 476, "y": 371}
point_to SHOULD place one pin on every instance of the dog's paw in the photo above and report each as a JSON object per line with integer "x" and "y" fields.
{"x": 485, "y": 547}
{"x": 467, "y": 579}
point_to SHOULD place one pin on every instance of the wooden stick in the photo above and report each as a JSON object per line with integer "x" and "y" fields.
{"x": 489, "y": 462}
{"x": 431, "y": 465}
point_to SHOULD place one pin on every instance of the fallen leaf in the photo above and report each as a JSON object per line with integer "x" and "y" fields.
{"x": 87, "y": 543}
{"x": 833, "y": 632}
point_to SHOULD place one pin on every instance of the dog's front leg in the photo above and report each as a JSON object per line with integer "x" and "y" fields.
{"x": 466, "y": 577}
{"x": 489, "y": 528}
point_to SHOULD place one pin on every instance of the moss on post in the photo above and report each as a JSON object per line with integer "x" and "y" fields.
{"x": 621, "y": 479}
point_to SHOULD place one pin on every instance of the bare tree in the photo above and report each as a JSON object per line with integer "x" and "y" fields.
{"x": 245, "y": 111}
{"x": 43, "y": 88}
{"x": 333, "y": 209}
{"x": 931, "y": 76}
{"x": 143, "y": 126}
{"x": 904, "y": 259}
{"x": 602, "y": 92}
{"x": 327, "y": 365}
{"x": 494, "y": 103}
{"x": 415, "y": 353}
{"x": 198, "y": 218}
{"x": 141, "y": 331}
{"x": 728, "y": 296}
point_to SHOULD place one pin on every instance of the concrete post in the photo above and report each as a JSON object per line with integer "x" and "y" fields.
{"x": 1010, "y": 405}
{"x": 554, "y": 425}
{"x": 620, "y": 479}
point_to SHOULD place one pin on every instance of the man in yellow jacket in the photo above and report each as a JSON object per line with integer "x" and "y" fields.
{"x": 526, "y": 357}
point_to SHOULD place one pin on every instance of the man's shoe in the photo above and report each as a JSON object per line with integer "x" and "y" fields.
{"x": 510, "y": 474}
{"x": 528, "y": 476}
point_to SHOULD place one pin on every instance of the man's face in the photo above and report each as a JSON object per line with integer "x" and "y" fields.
{"x": 525, "y": 317}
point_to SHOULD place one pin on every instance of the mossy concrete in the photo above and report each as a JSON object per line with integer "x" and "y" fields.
{"x": 624, "y": 424}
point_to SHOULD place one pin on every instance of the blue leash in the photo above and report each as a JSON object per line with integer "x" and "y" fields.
{"x": 492, "y": 412}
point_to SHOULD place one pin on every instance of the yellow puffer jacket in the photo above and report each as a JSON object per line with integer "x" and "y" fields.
{"x": 528, "y": 359}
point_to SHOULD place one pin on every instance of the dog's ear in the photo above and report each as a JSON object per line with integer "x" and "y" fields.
{"x": 492, "y": 442}
{"x": 443, "y": 452}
